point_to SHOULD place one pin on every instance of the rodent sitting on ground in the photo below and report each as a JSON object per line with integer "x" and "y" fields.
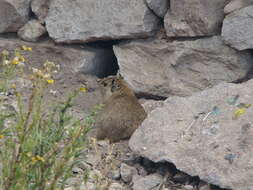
{"x": 121, "y": 114}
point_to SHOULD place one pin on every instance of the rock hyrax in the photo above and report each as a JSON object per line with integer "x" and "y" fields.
{"x": 121, "y": 114}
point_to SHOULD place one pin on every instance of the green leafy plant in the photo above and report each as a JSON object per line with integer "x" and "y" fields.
{"x": 37, "y": 147}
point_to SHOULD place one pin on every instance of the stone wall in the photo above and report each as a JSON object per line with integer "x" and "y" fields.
{"x": 163, "y": 47}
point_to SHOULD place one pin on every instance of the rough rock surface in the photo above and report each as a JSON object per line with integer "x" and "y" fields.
{"x": 40, "y": 9}
{"x": 150, "y": 105}
{"x": 160, "y": 7}
{"x": 146, "y": 183}
{"x": 127, "y": 172}
{"x": 89, "y": 20}
{"x": 163, "y": 68}
{"x": 209, "y": 135}
{"x": 194, "y": 18}
{"x": 32, "y": 31}
{"x": 236, "y": 4}
{"x": 237, "y": 29}
{"x": 116, "y": 186}
{"x": 13, "y": 14}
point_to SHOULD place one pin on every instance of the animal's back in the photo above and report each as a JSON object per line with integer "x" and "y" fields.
{"x": 120, "y": 116}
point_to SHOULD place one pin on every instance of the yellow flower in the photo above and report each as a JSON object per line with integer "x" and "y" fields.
{"x": 5, "y": 53}
{"x": 83, "y": 89}
{"x": 21, "y": 58}
{"x": 15, "y": 61}
{"x": 37, "y": 158}
{"x": 34, "y": 160}
{"x": 1, "y": 136}
{"x": 239, "y": 112}
{"x": 23, "y": 47}
{"x": 26, "y": 48}
{"x": 50, "y": 81}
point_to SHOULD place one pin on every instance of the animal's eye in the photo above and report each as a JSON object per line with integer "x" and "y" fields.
{"x": 105, "y": 84}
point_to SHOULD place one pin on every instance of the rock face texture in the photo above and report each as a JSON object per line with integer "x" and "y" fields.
{"x": 146, "y": 183}
{"x": 160, "y": 7}
{"x": 209, "y": 135}
{"x": 40, "y": 9}
{"x": 76, "y": 59}
{"x": 163, "y": 68}
{"x": 237, "y": 4}
{"x": 89, "y": 20}
{"x": 13, "y": 14}
{"x": 31, "y": 31}
{"x": 237, "y": 30}
{"x": 194, "y": 18}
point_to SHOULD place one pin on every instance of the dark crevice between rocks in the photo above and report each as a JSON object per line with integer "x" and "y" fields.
{"x": 104, "y": 44}
{"x": 188, "y": 38}
{"x": 174, "y": 176}
{"x": 109, "y": 65}
{"x": 32, "y": 14}
{"x": 246, "y": 78}
{"x": 9, "y": 35}
{"x": 150, "y": 96}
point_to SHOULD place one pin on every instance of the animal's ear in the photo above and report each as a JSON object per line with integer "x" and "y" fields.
{"x": 119, "y": 76}
{"x": 115, "y": 85}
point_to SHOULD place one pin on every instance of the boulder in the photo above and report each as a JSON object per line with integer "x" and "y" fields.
{"x": 151, "y": 181}
{"x": 40, "y": 9}
{"x": 127, "y": 172}
{"x": 89, "y": 20}
{"x": 237, "y": 29}
{"x": 13, "y": 14}
{"x": 209, "y": 134}
{"x": 160, "y": 68}
{"x": 194, "y": 18}
{"x": 31, "y": 31}
{"x": 160, "y": 7}
{"x": 236, "y": 4}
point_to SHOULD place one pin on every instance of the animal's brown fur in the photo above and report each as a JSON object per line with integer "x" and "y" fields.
{"x": 121, "y": 114}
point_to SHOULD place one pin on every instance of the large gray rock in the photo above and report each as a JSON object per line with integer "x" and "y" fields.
{"x": 89, "y": 20}
{"x": 40, "y": 9}
{"x": 209, "y": 135}
{"x": 194, "y": 18}
{"x": 160, "y": 7}
{"x": 31, "y": 31}
{"x": 151, "y": 181}
{"x": 13, "y": 14}
{"x": 236, "y": 4}
{"x": 237, "y": 30}
{"x": 163, "y": 68}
